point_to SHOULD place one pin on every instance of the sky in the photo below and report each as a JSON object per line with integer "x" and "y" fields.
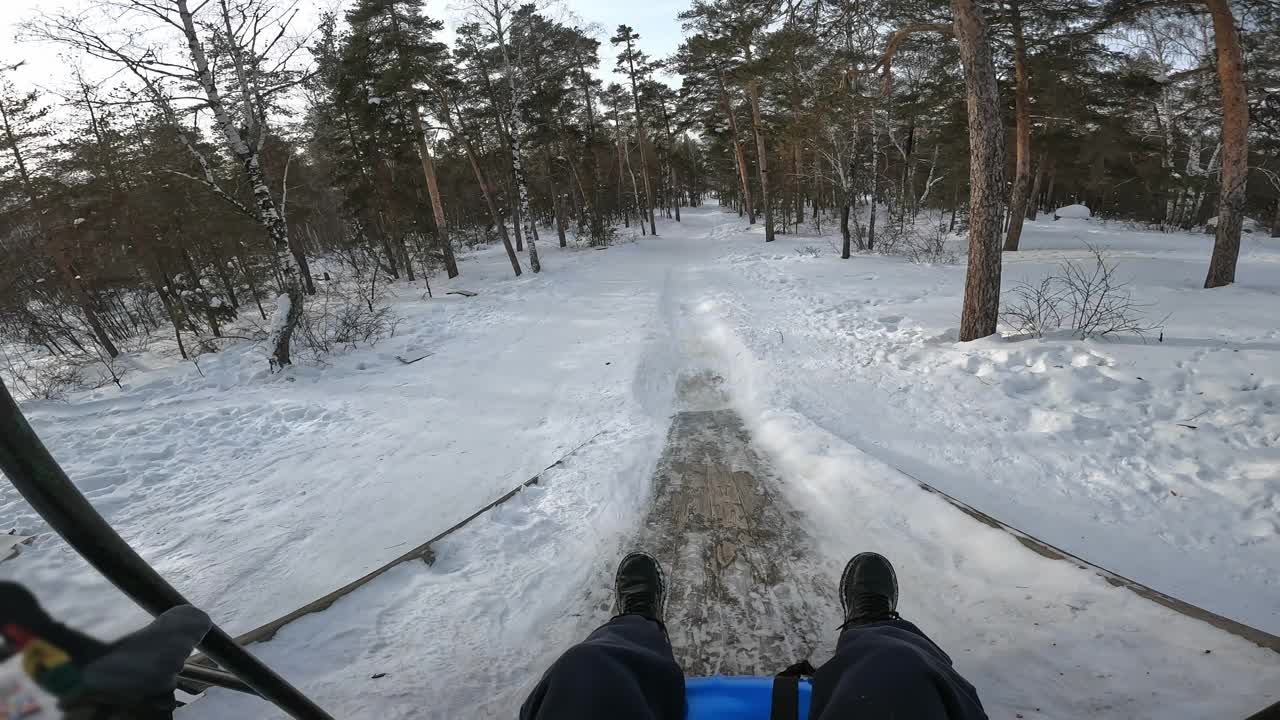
{"x": 655, "y": 20}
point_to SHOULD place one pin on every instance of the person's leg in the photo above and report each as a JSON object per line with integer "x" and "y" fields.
{"x": 891, "y": 669}
{"x": 625, "y": 669}
{"x": 885, "y": 666}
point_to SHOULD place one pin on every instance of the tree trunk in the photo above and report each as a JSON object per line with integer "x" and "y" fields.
{"x": 875, "y": 179}
{"x": 288, "y": 303}
{"x": 980, "y": 313}
{"x": 1033, "y": 201}
{"x": 515, "y": 128}
{"x": 844, "y": 230}
{"x": 737, "y": 153}
{"x": 406, "y": 259}
{"x": 433, "y": 188}
{"x": 671, "y": 161}
{"x": 762, "y": 159}
{"x": 516, "y": 226}
{"x": 299, "y": 257}
{"x": 393, "y": 260}
{"x": 644, "y": 163}
{"x": 486, "y": 188}
{"x": 1022, "y": 115}
{"x": 1048, "y": 206}
{"x": 1275, "y": 220}
{"x": 1235, "y": 146}
{"x": 797, "y": 164}
{"x": 557, "y": 202}
{"x": 635, "y": 188}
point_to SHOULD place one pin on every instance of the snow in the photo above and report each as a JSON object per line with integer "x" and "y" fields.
{"x": 77, "y": 221}
{"x": 216, "y": 302}
{"x": 11, "y": 545}
{"x": 281, "y": 315}
{"x": 1247, "y": 225}
{"x": 1073, "y": 212}
{"x": 256, "y": 493}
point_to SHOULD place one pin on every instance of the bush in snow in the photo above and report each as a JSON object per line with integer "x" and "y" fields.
{"x": 927, "y": 244}
{"x": 923, "y": 242}
{"x": 349, "y": 310}
{"x": 1085, "y": 297}
{"x": 52, "y": 379}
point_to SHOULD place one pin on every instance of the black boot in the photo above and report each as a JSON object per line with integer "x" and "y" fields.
{"x": 639, "y": 586}
{"x": 868, "y": 590}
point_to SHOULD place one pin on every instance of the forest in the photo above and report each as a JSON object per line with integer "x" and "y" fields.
{"x": 209, "y": 160}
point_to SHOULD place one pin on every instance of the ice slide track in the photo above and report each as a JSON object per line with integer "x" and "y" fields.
{"x": 735, "y": 553}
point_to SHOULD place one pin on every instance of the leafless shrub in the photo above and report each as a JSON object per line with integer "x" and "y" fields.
{"x": 809, "y": 251}
{"x": 1034, "y": 309}
{"x": 349, "y": 311}
{"x": 45, "y": 381}
{"x": 927, "y": 244}
{"x": 888, "y": 239}
{"x": 108, "y": 368}
{"x": 1086, "y": 297}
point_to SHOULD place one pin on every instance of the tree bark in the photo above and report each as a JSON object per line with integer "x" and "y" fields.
{"x": 264, "y": 204}
{"x": 635, "y": 188}
{"x": 980, "y": 312}
{"x": 762, "y": 159}
{"x": 1022, "y": 133}
{"x": 644, "y": 163}
{"x": 875, "y": 179}
{"x": 844, "y": 230}
{"x": 515, "y": 128}
{"x": 557, "y": 202}
{"x": 1048, "y": 195}
{"x": 1235, "y": 146}
{"x": 433, "y": 188}
{"x": 671, "y": 160}
{"x": 737, "y": 153}
{"x": 1033, "y": 200}
{"x": 797, "y": 165}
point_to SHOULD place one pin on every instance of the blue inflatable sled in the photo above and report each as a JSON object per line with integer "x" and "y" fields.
{"x": 747, "y": 698}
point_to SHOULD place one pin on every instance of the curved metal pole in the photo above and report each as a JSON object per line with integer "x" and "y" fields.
{"x": 34, "y": 472}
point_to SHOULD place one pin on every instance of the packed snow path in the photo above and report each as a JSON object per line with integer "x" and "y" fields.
{"x": 743, "y": 595}
{"x": 259, "y": 494}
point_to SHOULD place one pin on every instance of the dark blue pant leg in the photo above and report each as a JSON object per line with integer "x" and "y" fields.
{"x": 625, "y": 670}
{"x": 891, "y": 670}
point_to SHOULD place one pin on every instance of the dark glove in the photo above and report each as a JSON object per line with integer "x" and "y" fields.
{"x": 134, "y": 677}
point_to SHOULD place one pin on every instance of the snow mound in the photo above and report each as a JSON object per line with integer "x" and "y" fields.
{"x": 1249, "y": 224}
{"x": 1073, "y": 212}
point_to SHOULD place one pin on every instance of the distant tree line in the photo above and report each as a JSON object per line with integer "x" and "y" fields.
{"x": 232, "y": 149}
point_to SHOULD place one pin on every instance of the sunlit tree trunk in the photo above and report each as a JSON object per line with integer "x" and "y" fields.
{"x": 980, "y": 313}
{"x": 1235, "y": 146}
{"x": 762, "y": 159}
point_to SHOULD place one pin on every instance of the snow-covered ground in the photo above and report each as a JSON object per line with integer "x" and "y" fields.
{"x": 255, "y": 494}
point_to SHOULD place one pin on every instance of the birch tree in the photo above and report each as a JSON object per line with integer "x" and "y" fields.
{"x": 260, "y": 65}
{"x": 496, "y": 16}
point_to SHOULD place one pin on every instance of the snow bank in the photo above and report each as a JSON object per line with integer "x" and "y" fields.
{"x": 1009, "y": 617}
{"x": 1247, "y": 225}
{"x": 1073, "y": 212}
